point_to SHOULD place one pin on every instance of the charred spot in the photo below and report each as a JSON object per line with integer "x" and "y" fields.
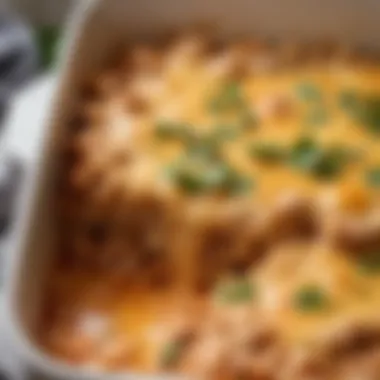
{"x": 217, "y": 239}
{"x": 159, "y": 275}
{"x": 66, "y": 259}
{"x": 262, "y": 341}
{"x": 296, "y": 220}
{"x": 97, "y": 233}
{"x": 355, "y": 340}
{"x": 88, "y": 92}
{"x": 77, "y": 123}
{"x": 151, "y": 254}
{"x": 144, "y": 236}
{"x": 70, "y": 157}
{"x": 136, "y": 103}
{"x": 356, "y": 237}
{"x": 214, "y": 254}
{"x": 239, "y": 267}
{"x": 251, "y": 254}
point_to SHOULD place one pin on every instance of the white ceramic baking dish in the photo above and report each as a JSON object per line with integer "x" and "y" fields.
{"x": 96, "y": 30}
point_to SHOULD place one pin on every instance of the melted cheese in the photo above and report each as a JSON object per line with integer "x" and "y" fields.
{"x": 180, "y": 93}
{"x": 103, "y": 313}
{"x": 190, "y": 106}
{"x": 350, "y": 294}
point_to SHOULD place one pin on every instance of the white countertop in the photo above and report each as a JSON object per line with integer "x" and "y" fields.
{"x": 22, "y": 134}
{"x": 25, "y": 121}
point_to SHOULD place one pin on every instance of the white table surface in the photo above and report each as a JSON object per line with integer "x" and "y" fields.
{"x": 25, "y": 121}
{"x": 22, "y": 134}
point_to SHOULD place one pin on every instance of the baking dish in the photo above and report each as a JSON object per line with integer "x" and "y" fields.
{"x": 99, "y": 28}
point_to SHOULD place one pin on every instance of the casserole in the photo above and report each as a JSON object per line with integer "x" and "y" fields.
{"x": 92, "y": 47}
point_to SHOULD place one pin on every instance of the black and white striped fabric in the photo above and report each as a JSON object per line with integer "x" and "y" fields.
{"x": 18, "y": 57}
{"x": 18, "y": 64}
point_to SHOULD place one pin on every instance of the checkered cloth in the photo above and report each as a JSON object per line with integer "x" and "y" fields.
{"x": 18, "y": 57}
{"x": 18, "y": 63}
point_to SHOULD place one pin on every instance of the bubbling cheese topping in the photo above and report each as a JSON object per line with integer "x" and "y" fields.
{"x": 222, "y": 214}
{"x": 203, "y": 130}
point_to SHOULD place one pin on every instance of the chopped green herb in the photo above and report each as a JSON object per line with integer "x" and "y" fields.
{"x": 348, "y": 100}
{"x": 228, "y": 98}
{"x": 187, "y": 180}
{"x": 190, "y": 175}
{"x": 225, "y": 133}
{"x": 171, "y": 130}
{"x": 369, "y": 263}
{"x": 227, "y": 180}
{"x": 330, "y": 163}
{"x": 373, "y": 177}
{"x": 248, "y": 120}
{"x": 207, "y": 147}
{"x": 369, "y": 114}
{"x": 235, "y": 291}
{"x": 317, "y": 117}
{"x": 217, "y": 176}
{"x": 304, "y": 154}
{"x": 171, "y": 353}
{"x": 268, "y": 153}
{"x": 238, "y": 184}
{"x": 310, "y": 299}
{"x": 363, "y": 109}
{"x": 322, "y": 163}
{"x": 199, "y": 175}
{"x": 309, "y": 92}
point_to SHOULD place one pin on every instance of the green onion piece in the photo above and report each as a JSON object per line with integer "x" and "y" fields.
{"x": 310, "y": 298}
{"x": 228, "y": 98}
{"x": 198, "y": 175}
{"x": 325, "y": 164}
{"x": 304, "y": 154}
{"x": 369, "y": 114}
{"x": 187, "y": 176}
{"x": 317, "y": 117}
{"x": 167, "y": 130}
{"x": 217, "y": 176}
{"x": 248, "y": 120}
{"x": 235, "y": 291}
{"x": 225, "y": 133}
{"x": 232, "y": 182}
{"x": 309, "y": 92}
{"x": 204, "y": 147}
{"x": 329, "y": 164}
{"x": 268, "y": 153}
{"x": 373, "y": 177}
{"x": 171, "y": 353}
{"x": 369, "y": 263}
{"x": 209, "y": 146}
{"x": 364, "y": 110}
{"x": 348, "y": 100}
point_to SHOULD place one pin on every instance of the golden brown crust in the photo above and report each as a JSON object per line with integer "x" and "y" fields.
{"x": 122, "y": 223}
